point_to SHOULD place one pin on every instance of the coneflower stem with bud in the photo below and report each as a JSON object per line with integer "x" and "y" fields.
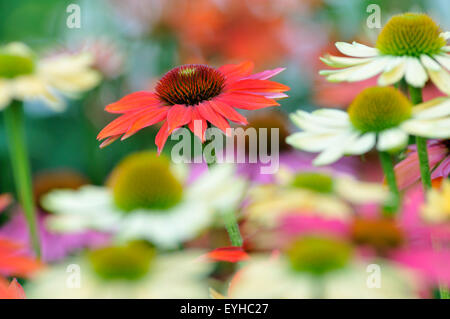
{"x": 14, "y": 123}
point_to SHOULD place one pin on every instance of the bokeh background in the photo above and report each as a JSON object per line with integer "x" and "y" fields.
{"x": 137, "y": 41}
{"x": 134, "y": 43}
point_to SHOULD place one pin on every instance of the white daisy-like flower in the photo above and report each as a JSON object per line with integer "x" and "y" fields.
{"x": 24, "y": 77}
{"x": 147, "y": 198}
{"x": 133, "y": 270}
{"x": 379, "y": 116}
{"x": 410, "y": 46}
{"x": 315, "y": 192}
{"x": 318, "y": 267}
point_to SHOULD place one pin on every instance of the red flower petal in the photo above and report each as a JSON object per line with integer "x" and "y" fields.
{"x": 151, "y": 117}
{"x": 208, "y": 113}
{"x": 109, "y": 141}
{"x": 264, "y": 75}
{"x": 12, "y": 291}
{"x": 162, "y": 136}
{"x": 230, "y": 254}
{"x": 228, "y": 112}
{"x": 246, "y": 101}
{"x": 177, "y": 116}
{"x": 13, "y": 263}
{"x": 233, "y": 72}
{"x": 192, "y": 126}
{"x": 15, "y": 290}
{"x": 133, "y": 102}
{"x": 258, "y": 86}
{"x": 120, "y": 125}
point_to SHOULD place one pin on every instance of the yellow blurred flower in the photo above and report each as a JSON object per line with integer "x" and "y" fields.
{"x": 310, "y": 193}
{"x": 265, "y": 277}
{"x": 24, "y": 77}
{"x": 437, "y": 207}
{"x": 129, "y": 271}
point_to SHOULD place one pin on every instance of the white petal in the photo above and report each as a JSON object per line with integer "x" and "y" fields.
{"x": 311, "y": 142}
{"x": 337, "y": 115}
{"x": 369, "y": 70}
{"x": 441, "y": 79}
{"x": 343, "y": 62}
{"x": 320, "y": 122}
{"x": 70, "y": 74}
{"x": 445, "y": 35}
{"x": 437, "y": 128}
{"x": 220, "y": 188}
{"x": 415, "y": 73}
{"x": 446, "y": 48}
{"x": 429, "y": 63}
{"x": 34, "y": 87}
{"x": 335, "y": 150}
{"x": 393, "y": 73}
{"x": 392, "y": 139}
{"x": 90, "y": 207}
{"x": 330, "y": 155}
{"x": 444, "y": 60}
{"x": 360, "y": 72}
{"x": 356, "y": 50}
{"x": 85, "y": 200}
{"x": 361, "y": 145}
{"x": 433, "y": 109}
{"x": 360, "y": 192}
{"x": 169, "y": 228}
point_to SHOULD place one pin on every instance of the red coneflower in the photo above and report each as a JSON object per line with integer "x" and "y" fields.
{"x": 12, "y": 290}
{"x": 13, "y": 262}
{"x": 190, "y": 93}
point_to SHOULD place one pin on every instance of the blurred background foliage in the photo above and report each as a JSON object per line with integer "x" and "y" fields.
{"x": 155, "y": 35}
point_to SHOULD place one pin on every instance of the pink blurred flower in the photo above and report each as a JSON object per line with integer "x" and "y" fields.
{"x": 406, "y": 240}
{"x": 54, "y": 246}
{"x": 408, "y": 170}
{"x": 296, "y": 225}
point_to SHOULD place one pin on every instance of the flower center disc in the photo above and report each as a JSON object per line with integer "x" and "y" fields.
{"x": 379, "y": 108}
{"x": 129, "y": 262}
{"x": 190, "y": 84}
{"x": 145, "y": 181}
{"x": 318, "y": 255}
{"x": 410, "y": 34}
{"x": 317, "y": 182}
{"x": 380, "y": 234}
{"x": 12, "y": 65}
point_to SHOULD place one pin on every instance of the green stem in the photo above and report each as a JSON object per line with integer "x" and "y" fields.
{"x": 388, "y": 169}
{"x": 422, "y": 153}
{"x": 14, "y": 123}
{"x": 228, "y": 217}
{"x": 232, "y": 228}
{"x": 421, "y": 143}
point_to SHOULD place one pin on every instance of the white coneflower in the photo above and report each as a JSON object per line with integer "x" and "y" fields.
{"x": 379, "y": 116}
{"x": 410, "y": 46}
{"x": 147, "y": 198}
{"x": 24, "y": 77}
